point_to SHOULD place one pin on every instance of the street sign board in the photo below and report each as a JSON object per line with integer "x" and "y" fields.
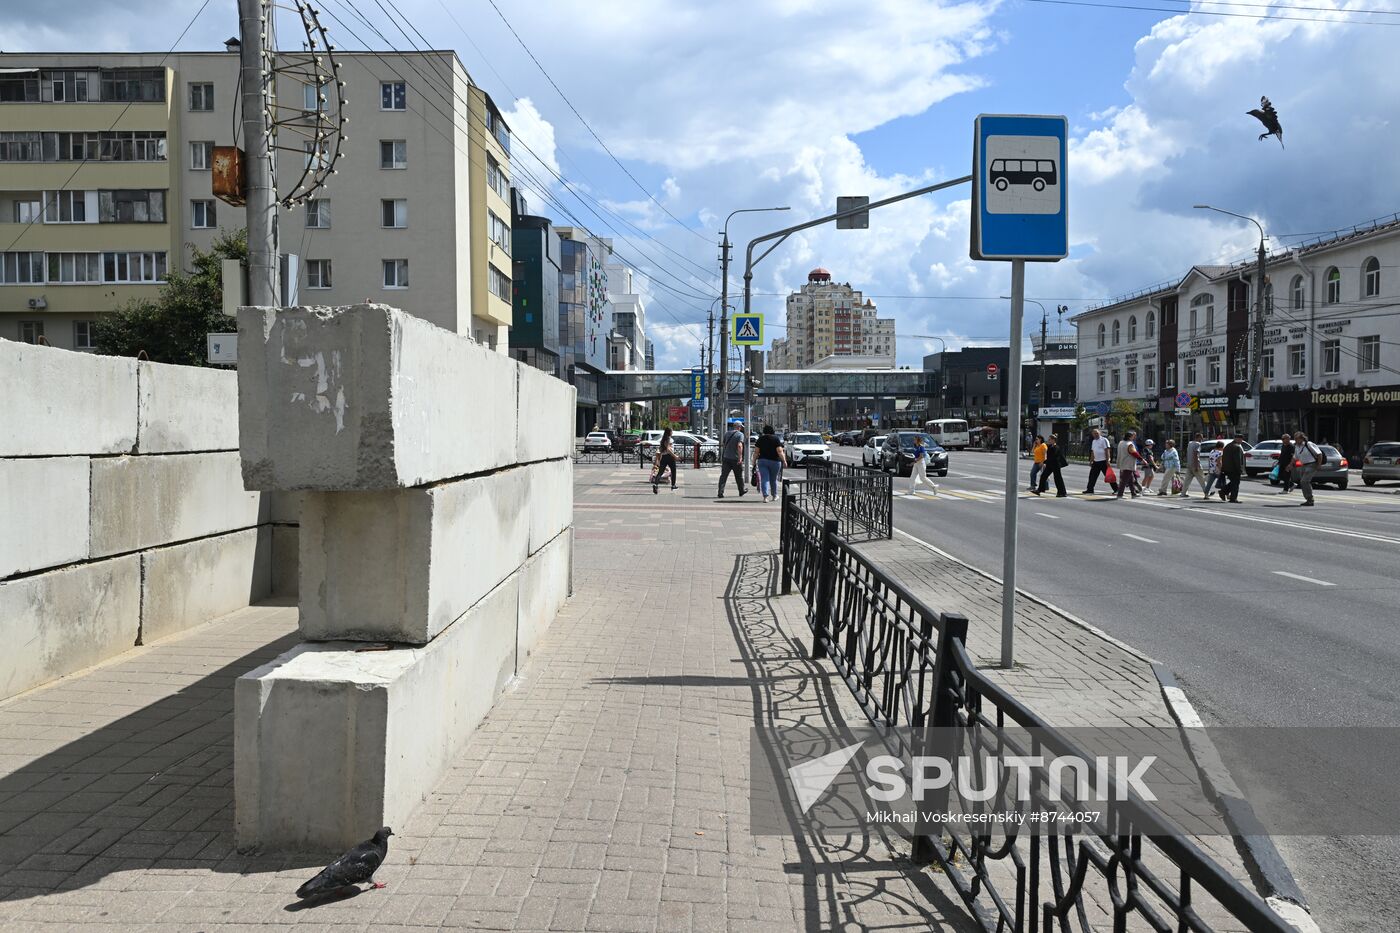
{"x": 699, "y": 404}
{"x": 1057, "y": 412}
{"x": 1182, "y": 412}
{"x": 222, "y": 348}
{"x": 697, "y": 386}
{"x": 748, "y": 330}
{"x": 992, "y": 370}
{"x": 1183, "y": 400}
{"x": 1099, "y": 408}
{"x": 855, "y": 221}
{"x": 1019, "y": 188}
{"x": 678, "y": 413}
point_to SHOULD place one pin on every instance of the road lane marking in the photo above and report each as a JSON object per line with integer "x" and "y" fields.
{"x": 1140, "y": 538}
{"x": 1365, "y": 536}
{"x": 1048, "y": 515}
{"x": 1296, "y": 576}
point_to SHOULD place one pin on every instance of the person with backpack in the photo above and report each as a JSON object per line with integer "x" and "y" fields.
{"x": 665, "y": 459}
{"x": 1055, "y": 461}
{"x": 1307, "y": 458}
{"x": 732, "y": 459}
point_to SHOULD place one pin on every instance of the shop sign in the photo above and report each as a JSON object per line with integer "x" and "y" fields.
{"x": 1387, "y": 395}
{"x": 1214, "y": 401}
{"x": 1333, "y": 327}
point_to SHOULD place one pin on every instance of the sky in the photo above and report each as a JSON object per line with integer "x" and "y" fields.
{"x": 662, "y": 116}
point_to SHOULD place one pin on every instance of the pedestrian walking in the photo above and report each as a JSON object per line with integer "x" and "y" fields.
{"x": 1055, "y": 461}
{"x": 1150, "y": 466}
{"x": 1171, "y": 466}
{"x": 1128, "y": 460}
{"x": 1194, "y": 467}
{"x": 1285, "y": 464}
{"x": 772, "y": 457}
{"x": 1232, "y": 468}
{"x": 665, "y": 459}
{"x": 1037, "y": 459}
{"x": 1099, "y": 450}
{"x": 918, "y": 470}
{"x": 732, "y": 458}
{"x": 1214, "y": 479}
{"x": 1307, "y": 457}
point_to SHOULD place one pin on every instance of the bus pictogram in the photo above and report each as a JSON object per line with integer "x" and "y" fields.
{"x": 1034, "y": 172}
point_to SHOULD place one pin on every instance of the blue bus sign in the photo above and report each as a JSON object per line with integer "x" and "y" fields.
{"x": 1019, "y": 189}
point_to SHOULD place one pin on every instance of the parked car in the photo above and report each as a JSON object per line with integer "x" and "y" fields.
{"x": 897, "y": 453}
{"x": 1336, "y": 471}
{"x": 683, "y": 442}
{"x": 1382, "y": 462}
{"x": 804, "y": 447}
{"x": 1262, "y": 458}
{"x": 628, "y": 440}
{"x": 597, "y": 442}
{"x": 870, "y": 453}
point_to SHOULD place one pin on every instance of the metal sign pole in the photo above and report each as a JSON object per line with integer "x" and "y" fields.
{"x": 1013, "y": 464}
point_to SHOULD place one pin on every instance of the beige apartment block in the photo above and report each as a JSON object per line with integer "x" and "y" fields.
{"x": 105, "y": 185}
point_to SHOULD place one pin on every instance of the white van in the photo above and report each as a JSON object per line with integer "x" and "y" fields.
{"x": 950, "y": 433}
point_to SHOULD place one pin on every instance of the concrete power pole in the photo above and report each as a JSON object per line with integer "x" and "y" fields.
{"x": 1044, "y": 391}
{"x": 720, "y": 393}
{"x": 255, "y": 32}
{"x": 1256, "y": 349}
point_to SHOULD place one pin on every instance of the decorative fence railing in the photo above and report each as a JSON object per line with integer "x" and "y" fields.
{"x": 860, "y": 500}
{"x": 603, "y": 456}
{"x": 908, "y": 665}
{"x": 690, "y": 456}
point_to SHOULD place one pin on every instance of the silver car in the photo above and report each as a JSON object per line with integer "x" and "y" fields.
{"x": 1381, "y": 463}
{"x": 1336, "y": 471}
{"x": 870, "y": 453}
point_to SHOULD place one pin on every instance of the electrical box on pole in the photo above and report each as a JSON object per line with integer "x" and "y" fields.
{"x": 859, "y": 221}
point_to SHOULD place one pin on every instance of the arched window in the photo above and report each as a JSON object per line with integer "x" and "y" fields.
{"x": 1371, "y": 278}
{"x": 1151, "y": 324}
{"x": 1132, "y": 328}
{"x": 1297, "y": 289}
{"x": 1334, "y": 286}
{"x": 1117, "y": 332}
{"x": 1102, "y": 332}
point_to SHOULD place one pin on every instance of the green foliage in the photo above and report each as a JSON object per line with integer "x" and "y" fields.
{"x": 1122, "y": 416}
{"x": 1080, "y": 422}
{"x": 172, "y": 327}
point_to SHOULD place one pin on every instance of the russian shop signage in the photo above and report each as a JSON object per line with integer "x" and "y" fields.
{"x": 1214, "y": 401}
{"x": 1385, "y": 395}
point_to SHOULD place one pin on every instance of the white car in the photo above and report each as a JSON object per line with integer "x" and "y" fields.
{"x": 805, "y": 447}
{"x": 1262, "y": 458}
{"x": 683, "y": 442}
{"x": 597, "y": 441}
{"x": 870, "y": 453}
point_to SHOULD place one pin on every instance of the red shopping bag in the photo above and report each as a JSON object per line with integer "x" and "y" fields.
{"x": 1111, "y": 476}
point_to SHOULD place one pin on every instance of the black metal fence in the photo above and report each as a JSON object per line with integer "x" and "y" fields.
{"x": 685, "y": 456}
{"x": 603, "y": 456}
{"x": 860, "y": 500}
{"x": 908, "y": 665}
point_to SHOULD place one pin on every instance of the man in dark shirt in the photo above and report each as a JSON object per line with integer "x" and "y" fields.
{"x": 1232, "y": 468}
{"x": 732, "y": 458}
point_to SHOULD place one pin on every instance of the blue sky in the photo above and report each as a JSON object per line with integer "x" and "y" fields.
{"x": 719, "y": 104}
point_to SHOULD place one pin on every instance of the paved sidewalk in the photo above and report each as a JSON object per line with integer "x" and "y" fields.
{"x": 607, "y": 790}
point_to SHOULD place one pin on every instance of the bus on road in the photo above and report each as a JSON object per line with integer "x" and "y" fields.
{"x": 950, "y": 433}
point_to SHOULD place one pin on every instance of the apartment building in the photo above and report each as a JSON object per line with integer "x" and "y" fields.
{"x": 106, "y": 185}
{"x": 826, "y": 318}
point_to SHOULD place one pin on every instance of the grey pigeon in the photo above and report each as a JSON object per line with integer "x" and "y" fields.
{"x": 354, "y": 867}
{"x": 1267, "y": 115}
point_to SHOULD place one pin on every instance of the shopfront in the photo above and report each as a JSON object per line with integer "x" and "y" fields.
{"x": 1350, "y": 419}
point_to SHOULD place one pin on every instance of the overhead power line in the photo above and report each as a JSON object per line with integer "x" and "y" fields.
{"x": 1197, "y": 12}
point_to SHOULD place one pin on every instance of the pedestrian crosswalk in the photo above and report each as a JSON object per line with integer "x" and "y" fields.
{"x": 948, "y": 494}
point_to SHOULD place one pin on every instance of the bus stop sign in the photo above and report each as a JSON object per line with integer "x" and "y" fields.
{"x": 1019, "y": 188}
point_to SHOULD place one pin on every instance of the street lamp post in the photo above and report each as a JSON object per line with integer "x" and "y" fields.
{"x": 724, "y": 247}
{"x": 1256, "y": 344}
{"x": 942, "y": 368}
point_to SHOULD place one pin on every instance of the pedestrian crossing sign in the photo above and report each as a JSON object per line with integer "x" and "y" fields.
{"x": 748, "y": 330}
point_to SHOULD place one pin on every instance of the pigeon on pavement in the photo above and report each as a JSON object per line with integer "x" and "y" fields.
{"x": 354, "y": 867}
{"x": 1268, "y": 116}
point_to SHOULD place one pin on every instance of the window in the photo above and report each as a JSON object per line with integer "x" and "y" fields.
{"x": 1266, "y": 363}
{"x": 19, "y": 88}
{"x": 23, "y": 146}
{"x": 27, "y": 212}
{"x": 1132, "y": 328}
{"x": 1103, "y": 377}
{"x": 1240, "y": 368}
{"x": 496, "y": 178}
{"x": 131, "y": 207}
{"x": 393, "y": 153}
{"x": 1371, "y": 278}
{"x": 75, "y": 268}
{"x": 1204, "y": 306}
{"x": 318, "y": 213}
{"x": 1132, "y": 378}
{"x": 313, "y": 97}
{"x": 1213, "y": 370}
{"x": 1151, "y": 324}
{"x": 1331, "y": 357}
{"x": 31, "y": 331}
{"x": 201, "y": 96}
{"x": 201, "y": 155}
{"x": 65, "y": 207}
{"x": 393, "y": 95}
{"x": 1117, "y": 384}
{"x": 498, "y": 282}
{"x": 1334, "y": 286}
{"x": 393, "y": 212}
{"x": 83, "y": 335}
{"x": 396, "y": 273}
{"x": 1169, "y": 376}
{"x": 1169, "y": 314}
{"x": 1149, "y": 376}
{"x": 499, "y": 230}
{"x": 133, "y": 268}
{"x": 1368, "y": 351}
{"x": 497, "y": 128}
{"x": 318, "y": 273}
{"x": 318, "y": 154}
{"x": 1191, "y": 373}
{"x": 1101, "y": 336}
{"x": 134, "y": 146}
{"x": 202, "y": 215}
{"x": 21, "y": 268}
{"x": 69, "y": 85}
{"x": 1297, "y": 360}
{"x": 133, "y": 84}
{"x": 1210, "y": 319}
{"x": 1296, "y": 289}
{"x": 1193, "y": 322}
{"x": 1117, "y": 332}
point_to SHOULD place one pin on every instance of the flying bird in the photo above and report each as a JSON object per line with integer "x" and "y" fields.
{"x": 354, "y": 867}
{"x": 1267, "y": 115}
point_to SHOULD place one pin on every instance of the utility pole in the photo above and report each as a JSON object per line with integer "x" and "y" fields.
{"x": 255, "y": 31}
{"x": 721, "y": 392}
{"x": 1256, "y": 351}
{"x": 710, "y": 372}
{"x": 1043, "y": 394}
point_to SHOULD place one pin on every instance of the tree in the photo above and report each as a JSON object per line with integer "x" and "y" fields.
{"x": 1122, "y": 416}
{"x": 1080, "y": 422}
{"x": 172, "y": 327}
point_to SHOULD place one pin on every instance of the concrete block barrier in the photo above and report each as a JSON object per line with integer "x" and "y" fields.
{"x": 186, "y": 408}
{"x": 551, "y": 500}
{"x": 43, "y": 513}
{"x": 185, "y": 585}
{"x": 546, "y": 424}
{"x": 544, "y": 586}
{"x": 286, "y": 564}
{"x": 58, "y": 403}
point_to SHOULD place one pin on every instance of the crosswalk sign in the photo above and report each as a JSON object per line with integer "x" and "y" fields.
{"x": 748, "y": 330}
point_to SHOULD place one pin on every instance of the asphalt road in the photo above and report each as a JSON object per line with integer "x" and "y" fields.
{"x": 1268, "y": 613}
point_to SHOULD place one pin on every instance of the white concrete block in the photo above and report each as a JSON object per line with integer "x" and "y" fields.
{"x": 286, "y": 507}
{"x": 402, "y": 565}
{"x": 544, "y": 586}
{"x": 546, "y": 425}
{"x": 368, "y": 397}
{"x": 60, "y": 402}
{"x": 331, "y": 742}
{"x": 185, "y": 585}
{"x": 43, "y": 513}
{"x": 186, "y": 408}
{"x": 53, "y": 624}
{"x": 551, "y": 500}
{"x": 285, "y": 560}
{"x": 141, "y": 502}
